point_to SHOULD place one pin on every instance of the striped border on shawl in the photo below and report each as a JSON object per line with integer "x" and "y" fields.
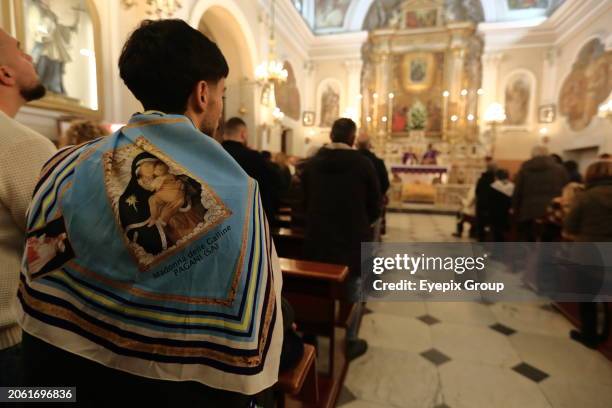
{"x": 106, "y": 302}
{"x": 60, "y": 313}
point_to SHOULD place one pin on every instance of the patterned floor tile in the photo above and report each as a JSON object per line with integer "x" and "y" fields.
{"x": 435, "y": 357}
{"x": 530, "y": 372}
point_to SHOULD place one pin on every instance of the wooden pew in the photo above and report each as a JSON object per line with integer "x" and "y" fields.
{"x": 301, "y": 381}
{"x": 314, "y": 290}
{"x": 284, "y": 210}
{"x": 289, "y": 242}
{"x": 283, "y": 220}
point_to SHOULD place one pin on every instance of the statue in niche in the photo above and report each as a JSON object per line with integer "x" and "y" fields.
{"x": 518, "y": 92}
{"x": 330, "y": 106}
{"x": 52, "y": 40}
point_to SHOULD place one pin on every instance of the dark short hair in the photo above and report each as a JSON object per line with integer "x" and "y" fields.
{"x": 342, "y": 130}
{"x": 599, "y": 171}
{"x": 266, "y": 155}
{"x": 233, "y": 125}
{"x": 163, "y": 60}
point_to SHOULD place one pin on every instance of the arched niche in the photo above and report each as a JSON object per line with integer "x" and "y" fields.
{"x": 330, "y": 100}
{"x": 63, "y": 38}
{"x": 519, "y": 95}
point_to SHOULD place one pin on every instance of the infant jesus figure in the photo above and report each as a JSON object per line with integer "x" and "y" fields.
{"x": 168, "y": 198}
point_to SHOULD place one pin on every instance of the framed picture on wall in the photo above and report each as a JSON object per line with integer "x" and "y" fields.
{"x": 63, "y": 38}
{"x": 547, "y": 113}
{"x": 308, "y": 118}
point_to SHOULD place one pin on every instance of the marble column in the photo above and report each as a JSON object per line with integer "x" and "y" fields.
{"x": 490, "y": 81}
{"x": 353, "y": 84}
{"x": 549, "y": 76}
{"x": 309, "y": 89}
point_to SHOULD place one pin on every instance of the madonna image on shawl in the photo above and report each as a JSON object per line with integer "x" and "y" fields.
{"x": 158, "y": 205}
{"x": 158, "y": 208}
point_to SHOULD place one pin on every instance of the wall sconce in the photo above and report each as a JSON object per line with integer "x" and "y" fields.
{"x": 605, "y": 110}
{"x": 278, "y": 114}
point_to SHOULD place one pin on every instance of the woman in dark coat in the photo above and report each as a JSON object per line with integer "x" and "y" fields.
{"x": 590, "y": 220}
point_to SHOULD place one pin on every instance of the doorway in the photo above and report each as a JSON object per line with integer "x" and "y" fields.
{"x": 287, "y": 141}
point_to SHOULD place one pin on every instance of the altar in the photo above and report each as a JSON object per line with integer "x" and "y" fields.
{"x": 420, "y": 92}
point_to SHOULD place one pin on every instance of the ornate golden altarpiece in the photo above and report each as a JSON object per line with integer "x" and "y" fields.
{"x": 420, "y": 85}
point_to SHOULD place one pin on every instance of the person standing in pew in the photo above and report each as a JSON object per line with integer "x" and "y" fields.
{"x": 364, "y": 147}
{"x": 341, "y": 199}
{"x": 235, "y": 136}
{"x": 23, "y": 153}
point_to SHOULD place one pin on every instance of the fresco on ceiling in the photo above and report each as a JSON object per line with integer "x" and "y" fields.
{"x": 587, "y": 85}
{"x": 330, "y": 13}
{"x": 527, "y": 4}
{"x": 288, "y": 95}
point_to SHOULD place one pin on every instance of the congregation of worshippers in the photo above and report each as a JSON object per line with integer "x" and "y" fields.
{"x": 182, "y": 258}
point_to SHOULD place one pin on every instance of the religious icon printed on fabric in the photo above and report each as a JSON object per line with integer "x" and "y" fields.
{"x": 47, "y": 248}
{"x": 159, "y": 206}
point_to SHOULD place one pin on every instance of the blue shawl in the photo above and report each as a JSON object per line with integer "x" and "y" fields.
{"x": 148, "y": 251}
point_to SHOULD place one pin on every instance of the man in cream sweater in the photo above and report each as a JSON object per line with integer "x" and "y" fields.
{"x": 22, "y": 155}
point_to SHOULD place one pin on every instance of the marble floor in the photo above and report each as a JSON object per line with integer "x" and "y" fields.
{"x": 470, "y": 355}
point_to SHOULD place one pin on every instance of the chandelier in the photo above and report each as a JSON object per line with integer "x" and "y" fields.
{"x": 161, "y": 8}
{"x": 271, "y": 70}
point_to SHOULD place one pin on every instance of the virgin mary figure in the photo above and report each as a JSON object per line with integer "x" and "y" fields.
{"x": 134, "y": 210}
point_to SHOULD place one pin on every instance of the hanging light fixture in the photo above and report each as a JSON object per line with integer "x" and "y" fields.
{"x": 271, "y": 70}
{"x": 161, "y": 8}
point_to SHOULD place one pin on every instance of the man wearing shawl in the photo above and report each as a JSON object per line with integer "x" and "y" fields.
{"x": 149, "y": 274}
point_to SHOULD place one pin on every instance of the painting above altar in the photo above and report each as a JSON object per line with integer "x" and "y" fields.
{"x": 417, "y": 71}
{"x": 417, "y": 102}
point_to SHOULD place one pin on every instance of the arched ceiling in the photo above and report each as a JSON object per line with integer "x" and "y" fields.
{"x": 333, "y": 16}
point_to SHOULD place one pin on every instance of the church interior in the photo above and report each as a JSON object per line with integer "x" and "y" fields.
{"x": 446, "y": 93}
